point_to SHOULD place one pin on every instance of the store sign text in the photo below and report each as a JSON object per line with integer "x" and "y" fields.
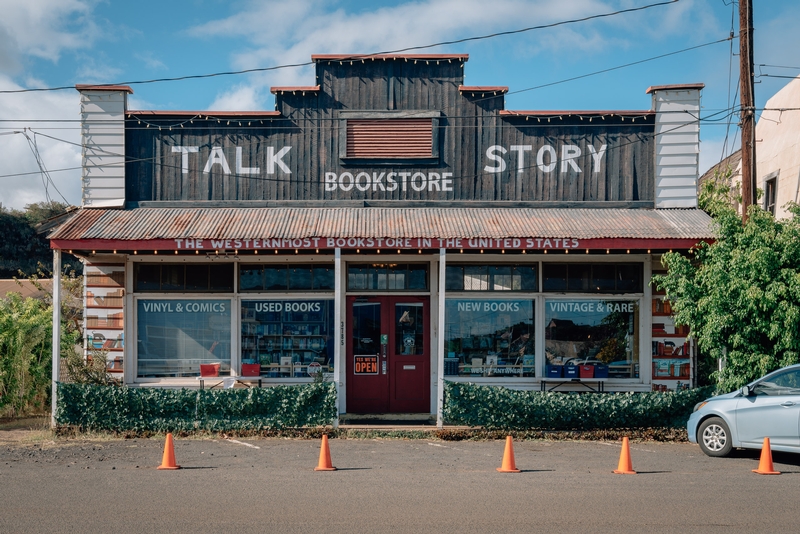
{"x": 405, "y": 181}
{"x": 365, "y": 365}
{"x": 546, "y": 157}
{"x": 184, "y": 307}
{"x": 278, "y": 306}
{"x": 515, "y": 243}
{"x": 591, "y": 306}
{"x": 217, "y": 157}
{"x": 489, "y": 306}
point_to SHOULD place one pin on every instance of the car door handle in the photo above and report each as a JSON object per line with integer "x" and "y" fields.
{"x": 787, "y": 404}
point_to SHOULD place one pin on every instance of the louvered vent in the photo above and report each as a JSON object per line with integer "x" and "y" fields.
{"x": 389, "y": 138}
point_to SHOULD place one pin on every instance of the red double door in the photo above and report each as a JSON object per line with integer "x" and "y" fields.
{"x": 388, "y": 355}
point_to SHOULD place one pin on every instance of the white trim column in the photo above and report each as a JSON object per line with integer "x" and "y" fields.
{"x": 441, "y": 339}
{"x": 56, "y": 332}
{"x": 338, "y": 335}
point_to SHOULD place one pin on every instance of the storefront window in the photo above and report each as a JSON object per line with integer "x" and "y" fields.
{"x": 386, "y": 276}
{"x": 489, "y": 338}
{"x": 593, "y": 277}
{"x": 288, "y": 338}
{"x": 183, "y": 277}
{"x": 176, "y": 336}
{"x": 593, "y": 332}
{"x": 491, "y": 278}
{"x": 292, "y": 277}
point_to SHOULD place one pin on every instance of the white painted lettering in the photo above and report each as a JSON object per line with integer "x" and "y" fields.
{"x": 597, "y": 156}
{"x": 491, "y": 153}
{"x": 217, "y": 157}
{"x": 244, "y": 170}
{"x": 568, "y": 155}
{"x": 521, "y": 149}
{"x": 185, "y": 150}
{"x": 540, "y": 158}
{"x": 274, "y": 158}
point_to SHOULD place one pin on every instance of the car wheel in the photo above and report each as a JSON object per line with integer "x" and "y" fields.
{"x": 714, "y": 437}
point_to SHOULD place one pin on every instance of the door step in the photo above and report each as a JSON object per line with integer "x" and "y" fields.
{"x": 389, "y": 419}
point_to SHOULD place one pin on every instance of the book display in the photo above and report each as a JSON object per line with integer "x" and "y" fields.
{"x": 287, "y": 338}
{"x": 672, "y": 349}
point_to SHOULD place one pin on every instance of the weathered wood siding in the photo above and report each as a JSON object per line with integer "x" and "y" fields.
{"x": 470, "y": 133}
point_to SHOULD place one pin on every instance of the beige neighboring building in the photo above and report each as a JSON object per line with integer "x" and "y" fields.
{"x": 777, "y": 152}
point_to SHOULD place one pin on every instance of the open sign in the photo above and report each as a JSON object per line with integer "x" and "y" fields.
{"x": 365, "y": 365}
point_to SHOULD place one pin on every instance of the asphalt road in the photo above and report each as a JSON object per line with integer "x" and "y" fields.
{"x": 269, "y": 485}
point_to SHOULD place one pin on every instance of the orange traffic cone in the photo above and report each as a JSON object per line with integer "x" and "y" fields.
{"x": 625, "y": 467}
{"x": 324, "y": 456}
{"x": 509, "y": 466}
{"x": 168, "y": 461}
{"x": 765, "y": 463}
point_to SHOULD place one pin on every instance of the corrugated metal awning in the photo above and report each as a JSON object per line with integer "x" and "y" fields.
{"x": 161, "y": 228}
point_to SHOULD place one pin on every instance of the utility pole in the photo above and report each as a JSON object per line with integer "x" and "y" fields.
{"x": 747, "y": 101}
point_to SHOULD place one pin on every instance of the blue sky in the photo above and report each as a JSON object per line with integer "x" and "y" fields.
{"x": 50, "y": 43}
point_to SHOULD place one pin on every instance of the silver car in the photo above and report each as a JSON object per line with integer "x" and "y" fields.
{"x": 768, "y": 407}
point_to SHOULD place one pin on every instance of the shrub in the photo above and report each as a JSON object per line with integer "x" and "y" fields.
{"x": 125, "y": 409}
{"x": 495, "y": 407}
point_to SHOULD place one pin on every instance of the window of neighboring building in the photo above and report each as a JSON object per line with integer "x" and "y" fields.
{"x": 387, "y": 276}
{"x": 592, "y": 277}
{"x": 183, "y": 277}
{"x": 287, "y": 277}
{"x": 770, "y": 192}
{"x": 502, "y": 277}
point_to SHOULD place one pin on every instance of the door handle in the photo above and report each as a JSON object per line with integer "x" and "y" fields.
{"x": 787, "y": 404}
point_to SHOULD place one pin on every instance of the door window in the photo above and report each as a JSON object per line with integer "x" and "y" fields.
{"x": 409, "y": 328}
{"x": 366, "y": 327}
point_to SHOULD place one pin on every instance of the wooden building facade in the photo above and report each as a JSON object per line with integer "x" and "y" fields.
{"x": 390, "y": 228}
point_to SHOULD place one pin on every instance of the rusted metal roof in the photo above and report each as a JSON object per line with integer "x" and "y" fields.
{"x": 104, "y": 87}
{"x": 153, "y": 223}
{"x": 675, "y": 87}
{"x": 348, "y": 57}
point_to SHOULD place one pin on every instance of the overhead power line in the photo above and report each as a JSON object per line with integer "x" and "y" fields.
{"x": 622, "y": 66}
{"x": 357, "y": 56}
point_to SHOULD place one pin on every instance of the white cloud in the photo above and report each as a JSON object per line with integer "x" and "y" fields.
{"x": 150, "y": 61}
{"x": 289, "y": 32}
{"x": 239, "y": 98}
{"x": 44, "y": 28}
{"x": 16, "y": 155}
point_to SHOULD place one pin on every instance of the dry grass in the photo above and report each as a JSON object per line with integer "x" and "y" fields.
{"x": 22, "y": 430}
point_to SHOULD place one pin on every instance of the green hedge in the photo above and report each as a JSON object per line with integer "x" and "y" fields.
{"x": 494, "y": 407}
{"x": 124, "y": 409}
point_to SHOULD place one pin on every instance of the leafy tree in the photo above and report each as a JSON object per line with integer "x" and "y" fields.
{"x": 22, "y": 248}
{"x": 26, "y": 345}
{"x": 740, "y": 295}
